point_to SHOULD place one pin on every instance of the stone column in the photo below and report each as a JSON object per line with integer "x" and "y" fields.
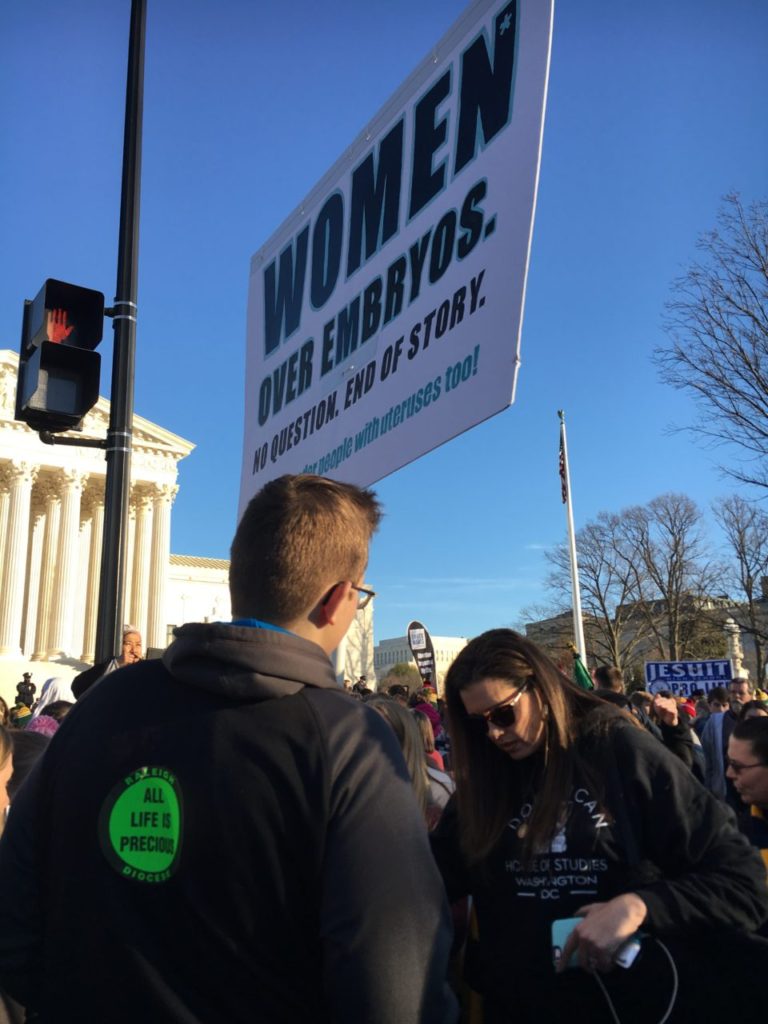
{"x": 128, "y": 581}
{"x": 5, "y": 504}
{"x": 22, "y": 475}
{"x": 141, "y": 562}
{"x": 160, "y": 560}
{"x": 34, "y": 575}
{"x": 65, "y": 588}
{"x": 83, "y": 562}
{"x": 96, "y": 509}
{"x": 49, "y": 495}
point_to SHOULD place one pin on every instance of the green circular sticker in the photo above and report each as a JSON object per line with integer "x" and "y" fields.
{"x": 140, "y": 825}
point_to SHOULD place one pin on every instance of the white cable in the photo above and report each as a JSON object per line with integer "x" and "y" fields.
{"x": 611, "y": 1007}
{"x": 672, "y": 1001}
{"x": 675, "y": 982}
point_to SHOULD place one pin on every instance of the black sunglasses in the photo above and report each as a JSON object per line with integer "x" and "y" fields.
{"x": 503, "y": 715}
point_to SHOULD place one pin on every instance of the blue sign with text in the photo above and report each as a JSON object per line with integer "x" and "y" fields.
{"x": 681, "y": 678}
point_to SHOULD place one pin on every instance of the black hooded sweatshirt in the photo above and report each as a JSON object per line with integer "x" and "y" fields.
{"x": 223, "y": 836}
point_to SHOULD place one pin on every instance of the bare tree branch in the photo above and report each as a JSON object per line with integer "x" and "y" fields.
{"x": 717, "y": 322}
{"x": 647, "y": 582}
{"x": 608, "y": 583}
{"x": 681, "y": 580}
{"x": 746, "y": 530}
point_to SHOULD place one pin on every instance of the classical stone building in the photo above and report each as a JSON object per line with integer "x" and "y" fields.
{"x": 51, "y": 527}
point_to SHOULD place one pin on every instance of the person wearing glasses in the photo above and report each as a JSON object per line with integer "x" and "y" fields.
{"x": 748, "y": 770}
{"x": 566, "y": 809}
{"x": 211, "y": 837}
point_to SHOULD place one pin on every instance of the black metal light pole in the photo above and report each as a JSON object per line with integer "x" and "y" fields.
{"x": 119, "y": 435}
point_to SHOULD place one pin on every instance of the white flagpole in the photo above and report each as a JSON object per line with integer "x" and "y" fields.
{"x": 578, "y": 624}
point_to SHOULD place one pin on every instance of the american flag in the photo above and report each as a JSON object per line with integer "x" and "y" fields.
{"x": 563, "y": 479}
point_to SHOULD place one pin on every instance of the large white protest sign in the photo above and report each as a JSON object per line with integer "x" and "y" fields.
{"x": 384, "y": 316}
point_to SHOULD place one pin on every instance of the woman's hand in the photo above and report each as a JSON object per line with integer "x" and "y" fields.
{"x": 605, "y": 927}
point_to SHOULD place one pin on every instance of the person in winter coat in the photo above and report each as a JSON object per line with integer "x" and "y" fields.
{"x": 209, "y": 837}
{"x": 567, "y": 811}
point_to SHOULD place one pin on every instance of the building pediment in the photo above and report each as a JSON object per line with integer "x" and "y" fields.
{"x": 52, "y": 523}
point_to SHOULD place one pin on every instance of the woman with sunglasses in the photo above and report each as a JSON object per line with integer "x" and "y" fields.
{"x": 566, "y": 809}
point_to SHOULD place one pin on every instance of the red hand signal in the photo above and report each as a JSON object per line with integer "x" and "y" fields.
{"x": 57, "y": 326}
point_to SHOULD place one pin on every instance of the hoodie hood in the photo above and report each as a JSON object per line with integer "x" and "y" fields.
{"x": 245, "y": 662}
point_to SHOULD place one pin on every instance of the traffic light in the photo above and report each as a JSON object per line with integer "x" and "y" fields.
{"x": 58, "y": 381}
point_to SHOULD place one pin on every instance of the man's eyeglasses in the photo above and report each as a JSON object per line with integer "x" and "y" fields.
{"x": 738, "y": 768}
{"x": 364, "y": 599}
{"x": 365, "y": 596}
{"x": 503, "y": 715}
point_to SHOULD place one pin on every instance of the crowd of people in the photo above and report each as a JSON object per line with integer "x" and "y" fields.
{"x": 226, "y": 834}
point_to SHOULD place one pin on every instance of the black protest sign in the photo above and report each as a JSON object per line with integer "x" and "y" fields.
{"x": 423, "y": 651}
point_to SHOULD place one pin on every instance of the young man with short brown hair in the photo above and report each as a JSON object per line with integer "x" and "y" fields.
{"x": 210, "y": 837}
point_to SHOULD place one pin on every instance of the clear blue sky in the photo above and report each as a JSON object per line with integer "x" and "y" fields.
{"x": 655, "y": 111}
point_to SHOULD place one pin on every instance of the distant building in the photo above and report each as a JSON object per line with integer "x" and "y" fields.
{"x": 553, "y": 635}
{"x": 396, "y": 651}
{"x": 198, "y": 590}
{"x": 644, "y": 632}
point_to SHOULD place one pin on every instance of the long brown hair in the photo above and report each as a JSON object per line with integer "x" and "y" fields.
{"x": 426, "y": 730}
{"x": 489, "y": 784}
{"x": 408, "y": 735}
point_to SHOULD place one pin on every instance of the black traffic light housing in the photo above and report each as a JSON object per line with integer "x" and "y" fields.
{"x": 59, "y": 373}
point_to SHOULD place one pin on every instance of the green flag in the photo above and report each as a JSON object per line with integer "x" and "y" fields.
{"x": 581, "y": 676}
